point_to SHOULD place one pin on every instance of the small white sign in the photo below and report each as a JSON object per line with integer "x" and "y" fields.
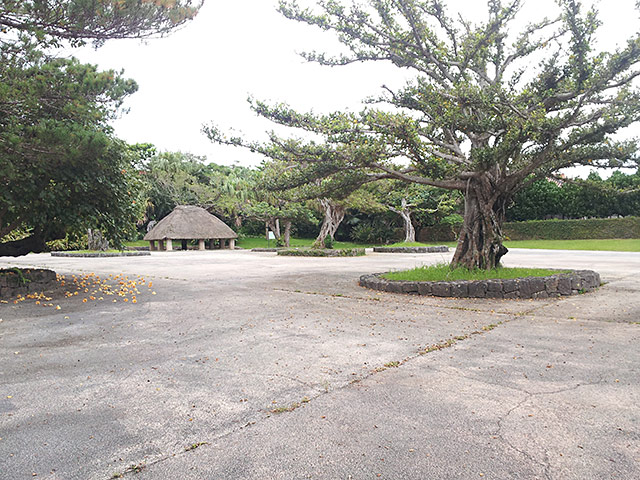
{"x": 272, "y": 236}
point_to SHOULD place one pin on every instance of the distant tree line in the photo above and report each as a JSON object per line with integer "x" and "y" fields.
{"x": 594, "y": 197}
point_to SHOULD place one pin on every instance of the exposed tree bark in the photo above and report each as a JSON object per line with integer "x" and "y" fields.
{"x": 287, "y": 233}
{"x": 96, "y": 241}
{"x": 480, "y": 241}
{"x": 333, "y": 216}
{"x": 405, "y": 213}
{"x": 273, "y": 224}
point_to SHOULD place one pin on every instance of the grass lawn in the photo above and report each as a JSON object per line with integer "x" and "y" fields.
{"x": 418, "y": 244}
{"x": 442, "y": 273}
{"x": 136, "y": 243}
{"x": 261, "y": 242}
{"x": 615, "y": 245}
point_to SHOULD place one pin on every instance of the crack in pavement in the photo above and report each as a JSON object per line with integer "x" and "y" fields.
{"x": 546, "y": 462}
{"x": 258, "y": 416}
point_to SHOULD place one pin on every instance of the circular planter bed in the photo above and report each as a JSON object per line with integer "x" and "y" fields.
{"x": 563, "y": 284}
{"x": 101, "y": 254}
{"x": 317, "y": 252}
{"x": 15, "y": 281}
{"x": 438, "y": 249}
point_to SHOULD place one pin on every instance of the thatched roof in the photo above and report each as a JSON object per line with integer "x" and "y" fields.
{"x": 188, "y": 222}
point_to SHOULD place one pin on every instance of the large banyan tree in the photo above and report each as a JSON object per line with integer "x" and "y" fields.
{"x": 488, "y": 110}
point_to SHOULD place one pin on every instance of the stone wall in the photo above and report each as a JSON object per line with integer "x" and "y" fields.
{"x": 438, "y": 249}
{"x": 27, "y": 281}
{"x": 564, "y": 284}
{"x": 319, "y": 252}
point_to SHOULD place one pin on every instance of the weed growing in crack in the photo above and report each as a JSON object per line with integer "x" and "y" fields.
{"x": 286, "y": 408}
{"x": 193, "y": 446}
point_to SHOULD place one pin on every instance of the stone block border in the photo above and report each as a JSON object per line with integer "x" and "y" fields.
{"x": 562, "y": 284}
{"x": 314, "y": 252}
{"x": 260, "y": 249}
{"x": 102, "y": 254}
{"x": 438, "y": 249}
{"x": 29, "y": 280}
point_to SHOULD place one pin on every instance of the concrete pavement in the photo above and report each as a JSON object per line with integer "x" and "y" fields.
{"x": 248, "y": 365}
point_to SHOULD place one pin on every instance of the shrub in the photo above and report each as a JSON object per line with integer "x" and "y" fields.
{"x": 72, "y": 241}
{"x": 593, "y": 228}
{"x": 328, "y": 242}
{"x": 373, "y": 232}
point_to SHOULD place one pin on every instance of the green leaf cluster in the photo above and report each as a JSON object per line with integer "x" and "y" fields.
{"x": 61, "y": 168}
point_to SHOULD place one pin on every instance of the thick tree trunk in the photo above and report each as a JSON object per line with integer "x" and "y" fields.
{"x": 409, "y": 230}
{"x": 333, "y": 216}
{"x": 96, "y": 241}
{"x": 405, "y": 213}
{"x": 274, "y": 225}
{"x": 287, "y": 233}
{"x": 480, "y": 241}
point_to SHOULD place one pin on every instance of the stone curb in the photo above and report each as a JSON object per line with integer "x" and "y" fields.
{"x": 349, "y": 252}
{"x": 259, "y": 249}
{"x": 101, "y": 254}
{"x": 438, "y": 249}
{"x": 38, "y": 280}
{"x": 560, "y": 285}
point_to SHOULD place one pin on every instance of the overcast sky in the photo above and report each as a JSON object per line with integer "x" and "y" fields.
{"x": 235, "y": 48}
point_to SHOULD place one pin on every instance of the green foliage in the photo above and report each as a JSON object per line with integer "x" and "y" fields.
{"x": 178, "y": 178}
{"x": 76, "y": 21}
{"x": 592, "y": 228}
{"x": 328, "y": 242}
{"x": 175, "y": 178}
{"x": 16, "y": 273}
{"x": 593, "y": 197}
{"x": 71, "y": 241}
{"x": 61, "y": 169}
{"x": 452, "y": 219}
{"x": 628, "y": 227}
{"x": 373, "y": 231}
{"x": 444, "y": 273}
{"x": 483, "y": 113}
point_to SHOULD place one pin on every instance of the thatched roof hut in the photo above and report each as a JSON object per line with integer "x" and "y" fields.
{"x": 188, "y": 222}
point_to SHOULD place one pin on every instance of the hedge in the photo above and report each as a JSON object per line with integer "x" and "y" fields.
{"x": 597, "y": 228}
{"x": 627, "y": 227}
